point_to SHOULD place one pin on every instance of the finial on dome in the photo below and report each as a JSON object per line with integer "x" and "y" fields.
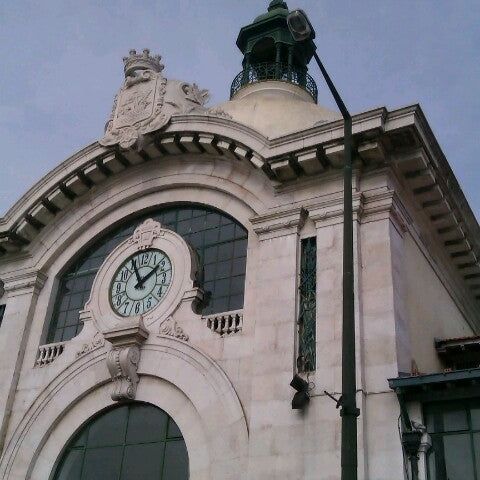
{"x": 141, "y": 61}
{"x": 277, "y": 4}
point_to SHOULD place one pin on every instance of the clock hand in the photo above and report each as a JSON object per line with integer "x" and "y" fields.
{"x": 139, "y": 280}
{"x": 147, "y": 276}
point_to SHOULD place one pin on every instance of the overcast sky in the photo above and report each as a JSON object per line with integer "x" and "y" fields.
{"x": 61, "y": 65}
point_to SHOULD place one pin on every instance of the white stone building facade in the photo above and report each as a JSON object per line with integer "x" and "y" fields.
{"x": 217, "y": 353}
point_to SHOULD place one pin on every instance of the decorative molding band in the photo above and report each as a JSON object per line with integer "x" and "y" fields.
{"x": 386, "y": 204}
{"x": 226, "y": 323}
{"x": 97, "y": 342}
{"x": 103, "y": 163}
{"x": 19, "y": 284}
{"x": 279, "y": 223}
{"x": 301, "y": 153}
{"x": 444, "y": 206}
{"x": 330, "y": 210}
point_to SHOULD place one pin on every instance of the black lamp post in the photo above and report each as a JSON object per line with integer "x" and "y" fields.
{"x": 302, "y": 31}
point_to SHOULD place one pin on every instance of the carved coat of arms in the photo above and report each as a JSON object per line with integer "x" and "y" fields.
{"x": 147, "y": 101}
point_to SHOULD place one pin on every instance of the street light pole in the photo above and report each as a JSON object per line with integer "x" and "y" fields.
{"x": 302, "y": 30}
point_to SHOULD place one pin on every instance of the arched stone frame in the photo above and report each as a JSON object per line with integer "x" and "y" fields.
{"x": 151, "y": 413}
{"x": 232, "y": 187}
{"x": 233, "y": 134}
{"x": 175, "y": 376}
{"x": 189, "y": 179}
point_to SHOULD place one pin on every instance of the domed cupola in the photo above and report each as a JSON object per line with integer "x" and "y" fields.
{"x": 271, "y": 53}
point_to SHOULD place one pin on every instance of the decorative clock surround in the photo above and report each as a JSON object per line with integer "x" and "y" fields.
{"x": 149, "y": 237}
{"x": 162, "y": 280}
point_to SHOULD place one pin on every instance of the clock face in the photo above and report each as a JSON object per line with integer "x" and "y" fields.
{"x": 140, "y": 283}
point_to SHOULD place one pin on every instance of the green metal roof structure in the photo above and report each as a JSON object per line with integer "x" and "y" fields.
{"x": 268, "y": 39}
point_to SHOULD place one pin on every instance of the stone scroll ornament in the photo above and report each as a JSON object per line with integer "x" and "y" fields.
{"x": 124, "y": 357}
{"x": 170, "y": 328}
{"x": 147, "y": 101}
{"x": 122, "y": 364}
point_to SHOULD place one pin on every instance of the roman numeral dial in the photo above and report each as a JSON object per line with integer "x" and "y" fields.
{"x": 140, "y": 283}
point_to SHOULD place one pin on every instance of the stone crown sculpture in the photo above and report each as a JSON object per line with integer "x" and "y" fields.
{"x": 141, "y": 61}
{"x": 147, "y": 101}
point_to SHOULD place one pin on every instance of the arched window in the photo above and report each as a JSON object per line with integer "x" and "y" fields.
{"x": 263, "y": 51}
{"x": 221, "y": 244}
{"x": 130, "y": 442}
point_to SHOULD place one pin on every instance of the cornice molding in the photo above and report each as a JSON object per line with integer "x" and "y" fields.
{"x": 25, "y": 282}
{"x": 77, "y": 174}
{"x": 330, "y": 211}
{"x": 279, "y": 223}
{"x": 314, "y": 153}
{"x": 386, "y": 204}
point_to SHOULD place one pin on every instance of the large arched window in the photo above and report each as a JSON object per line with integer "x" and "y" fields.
{"x": 221, "y": 244}
{"x": 130, "y": 442}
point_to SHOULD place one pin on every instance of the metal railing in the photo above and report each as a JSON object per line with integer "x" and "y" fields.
{"x": 261, "y": 72}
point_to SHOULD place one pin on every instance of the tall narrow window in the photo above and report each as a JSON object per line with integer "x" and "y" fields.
{"x": 308, "y": 305}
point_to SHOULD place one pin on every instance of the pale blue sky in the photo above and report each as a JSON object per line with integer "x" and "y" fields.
{"x": 62, "y": 64}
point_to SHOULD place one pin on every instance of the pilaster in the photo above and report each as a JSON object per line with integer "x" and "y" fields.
{"x": 21, "y": 294}
{"x": 385, "y": 340}
{"x": 328, "y": 219}
{"x": 274, "y": 426}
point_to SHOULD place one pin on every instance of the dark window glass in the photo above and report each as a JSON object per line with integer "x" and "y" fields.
{"x": 221, "y": 244}
{"x": 176, "y": 461}
{"x": 72, "y": 465}
{"x": 455, "y": 434}
{"x": 136, "y": 441}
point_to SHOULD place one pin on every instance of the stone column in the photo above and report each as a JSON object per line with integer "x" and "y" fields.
{"x": 21, "y": 295}
{"x": 278, "y": 60}
{"x": 290, "y": 58}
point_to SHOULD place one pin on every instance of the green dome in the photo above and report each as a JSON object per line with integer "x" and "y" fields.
{"x": 276, "y": 8}
{"x": 277, "y": 4}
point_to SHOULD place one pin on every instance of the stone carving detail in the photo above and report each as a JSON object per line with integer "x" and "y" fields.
{"x": 122, "y": 364}
{"x": 97, "y": 341}
{"x": 171, "y": 328}
{"x": 147, "y": 101}
{"x": 195, "y": 95}
{"x": 218, "y": 112}
{"x": 123, "y": 359}
{"x": 145, "y": 233}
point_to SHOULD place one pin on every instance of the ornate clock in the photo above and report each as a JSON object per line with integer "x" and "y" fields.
{"x": 146, "y": 284}
{"x": 148, "y": 276}
{"x": 140, "y": 283}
